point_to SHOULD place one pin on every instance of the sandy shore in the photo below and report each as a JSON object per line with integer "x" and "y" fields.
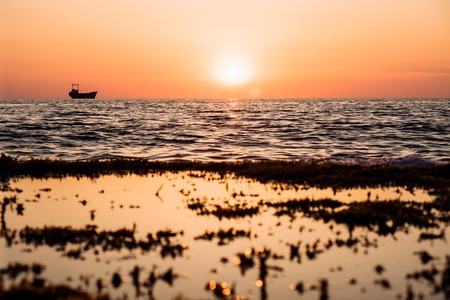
{"x": 247, "y": 230}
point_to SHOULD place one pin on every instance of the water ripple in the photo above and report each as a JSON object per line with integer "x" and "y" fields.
{"x": 337, "y": 129}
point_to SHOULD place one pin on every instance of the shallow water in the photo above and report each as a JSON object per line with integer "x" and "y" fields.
{"x": 412, "y": 131}
{"x": 188, "y": 205}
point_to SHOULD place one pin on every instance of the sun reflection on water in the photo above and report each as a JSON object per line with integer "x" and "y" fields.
{"x": 183, "y": 228}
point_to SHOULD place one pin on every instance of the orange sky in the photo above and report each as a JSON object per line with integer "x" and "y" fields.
{"x": 225, "y": 48}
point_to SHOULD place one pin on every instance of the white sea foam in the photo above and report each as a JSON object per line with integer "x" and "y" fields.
{"x": 410, "y": 160}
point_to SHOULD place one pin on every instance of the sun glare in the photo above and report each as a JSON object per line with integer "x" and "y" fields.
{"x": 233, "y": 71}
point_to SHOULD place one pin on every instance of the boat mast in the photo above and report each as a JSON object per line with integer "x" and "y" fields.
{"x": 75, "y": 86}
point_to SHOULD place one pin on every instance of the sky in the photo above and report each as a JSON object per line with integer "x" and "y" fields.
{"x": 225, "y": 48}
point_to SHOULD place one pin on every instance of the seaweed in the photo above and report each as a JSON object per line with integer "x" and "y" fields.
{"x": 222, "y": 211}
{"x": 224, "y": 236}
{"x": 41, "y": 288}
{"x": 382, "y": 217}
{"x": 89, "y": 238}
{"x": 314, "y": 173}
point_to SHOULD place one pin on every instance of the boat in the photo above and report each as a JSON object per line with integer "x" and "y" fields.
{"x": 75, "y": 94}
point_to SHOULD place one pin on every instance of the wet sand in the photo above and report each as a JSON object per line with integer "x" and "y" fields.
{"x": 266, "y": 230}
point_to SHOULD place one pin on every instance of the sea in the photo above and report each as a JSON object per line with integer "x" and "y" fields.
{"x": 403, "y": 131}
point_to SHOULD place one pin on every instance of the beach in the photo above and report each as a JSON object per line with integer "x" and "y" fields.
{"x": 225, "y": 198}
{"x": 133, "y": 228}
{"x": 205, "y": 150}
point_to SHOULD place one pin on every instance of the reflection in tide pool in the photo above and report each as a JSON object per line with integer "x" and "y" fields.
{"x": 199, "y": 236}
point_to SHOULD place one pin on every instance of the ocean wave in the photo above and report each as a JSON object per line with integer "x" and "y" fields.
{"x": 397, "y": 131}
{"x": 410, "y": 160}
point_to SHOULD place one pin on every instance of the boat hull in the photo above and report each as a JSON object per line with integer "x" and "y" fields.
{"x": 76, "y": 95}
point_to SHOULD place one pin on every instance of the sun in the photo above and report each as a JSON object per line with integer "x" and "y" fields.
{"x": 233, "y": 71}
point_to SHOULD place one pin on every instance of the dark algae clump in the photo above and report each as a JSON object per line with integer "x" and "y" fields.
{"x": 89, "y": 238}
{"x": 317, "y": 173}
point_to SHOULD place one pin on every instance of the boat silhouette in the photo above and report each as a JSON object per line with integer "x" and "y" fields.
{"x": 75, "y": 94}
